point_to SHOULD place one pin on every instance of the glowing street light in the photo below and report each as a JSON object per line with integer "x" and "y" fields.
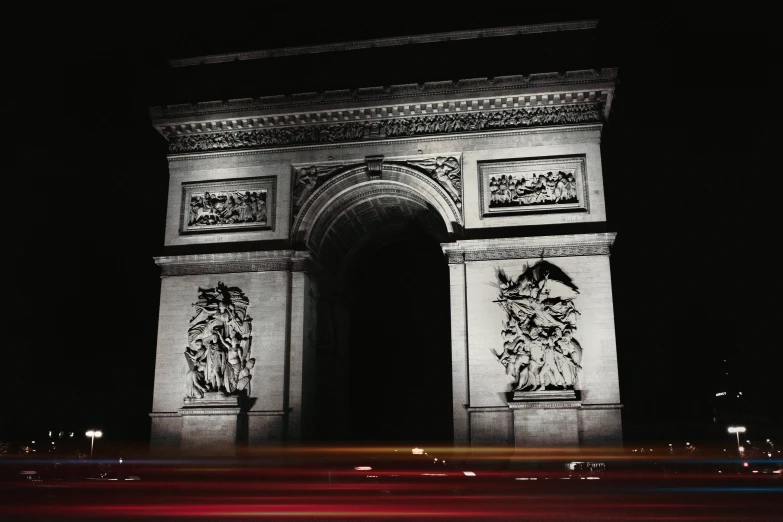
{"x": 737, "y": 430}
{"x": 93, "y": 434}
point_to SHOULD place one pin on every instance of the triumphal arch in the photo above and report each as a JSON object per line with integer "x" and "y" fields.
{"x": 276, "y": 197}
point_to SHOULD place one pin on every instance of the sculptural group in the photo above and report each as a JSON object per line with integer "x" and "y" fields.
{"x": 539, "y": 349}
{"x": 447, "y": 172}
{"x": 532, "y": 188}
{"x": 226, "y": 208}
{"x": 218, "y": 352}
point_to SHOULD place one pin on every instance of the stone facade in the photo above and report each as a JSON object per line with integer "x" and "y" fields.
{"x": 345, "y": 169}
{"x": 596, "y": 416}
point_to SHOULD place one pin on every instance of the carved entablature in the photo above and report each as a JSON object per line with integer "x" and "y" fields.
{"x": 402, "y": 111}
{"x": 405, "y": 127}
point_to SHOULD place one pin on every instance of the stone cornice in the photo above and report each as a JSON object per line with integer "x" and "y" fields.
{"x": 269, "y": 413}
{"x": 261, "y": 261}
{"x": 220, "y": 411}
{"x": 397, "y": 112}
{"x": 548, "y": 405}
{"x": 542, "y": 405}
{"x": 314, "y": 107}
{"x": 192, "y": 411}
{"x": 386, "y": 42}
{"x": 616, "y": 406}
{"x": 529, "y": 247}
{"x": 487, "y": 409}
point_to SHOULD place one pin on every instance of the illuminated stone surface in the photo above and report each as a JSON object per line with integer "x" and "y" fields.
{"x": 332, "y": 198}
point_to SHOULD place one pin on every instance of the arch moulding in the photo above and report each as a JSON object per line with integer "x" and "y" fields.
{"x": 361, "y": 183}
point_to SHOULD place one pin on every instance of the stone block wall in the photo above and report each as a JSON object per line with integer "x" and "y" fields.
{"x": 533, "y": 143}
{"x": 268, "y": 293}
{"x": 598, "y": 381}
{"x": 283, "y": 304}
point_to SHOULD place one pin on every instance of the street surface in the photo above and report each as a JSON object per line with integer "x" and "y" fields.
{"x": 380, "y": 486}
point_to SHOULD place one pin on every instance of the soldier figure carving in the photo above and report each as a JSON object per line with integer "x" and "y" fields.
{"x": 539, "y": 350}
{"x": 219, "y": 343}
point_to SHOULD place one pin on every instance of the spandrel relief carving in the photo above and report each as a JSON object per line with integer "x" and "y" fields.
{"x": 307, "y": 179}
{"x": 219, "y": 338}
{"x": 447, "y": 172}
{"x": 539, "y": 350}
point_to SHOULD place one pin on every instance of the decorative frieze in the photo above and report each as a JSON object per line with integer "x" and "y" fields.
{"x": 289, "y": 130}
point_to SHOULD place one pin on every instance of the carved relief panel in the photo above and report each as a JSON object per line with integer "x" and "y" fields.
{"x": 219, "y": 339}
{"x": 533, "y": 186}
{"x": 539, "y": 346}
{"x": 230, "y": 205}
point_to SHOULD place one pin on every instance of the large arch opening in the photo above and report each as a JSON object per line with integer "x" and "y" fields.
{"x": 383, "y": 360}
{"x": 399, "y": 352}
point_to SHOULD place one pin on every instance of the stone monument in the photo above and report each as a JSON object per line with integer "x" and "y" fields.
{"x": 533, "y": 360}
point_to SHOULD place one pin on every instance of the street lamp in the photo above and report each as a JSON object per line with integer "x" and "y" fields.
{"x": 737, "y": 430}
{"x": 93, "y": 434}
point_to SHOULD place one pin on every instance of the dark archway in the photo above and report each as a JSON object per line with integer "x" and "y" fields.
{"x": 400, "y": 343}
{"x": 383, "y": 357}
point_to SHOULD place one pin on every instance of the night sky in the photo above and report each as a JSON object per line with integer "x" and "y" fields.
{"x": 682, "y": 161}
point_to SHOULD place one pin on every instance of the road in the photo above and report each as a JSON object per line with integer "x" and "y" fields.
{"x": 392, "y": 492}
